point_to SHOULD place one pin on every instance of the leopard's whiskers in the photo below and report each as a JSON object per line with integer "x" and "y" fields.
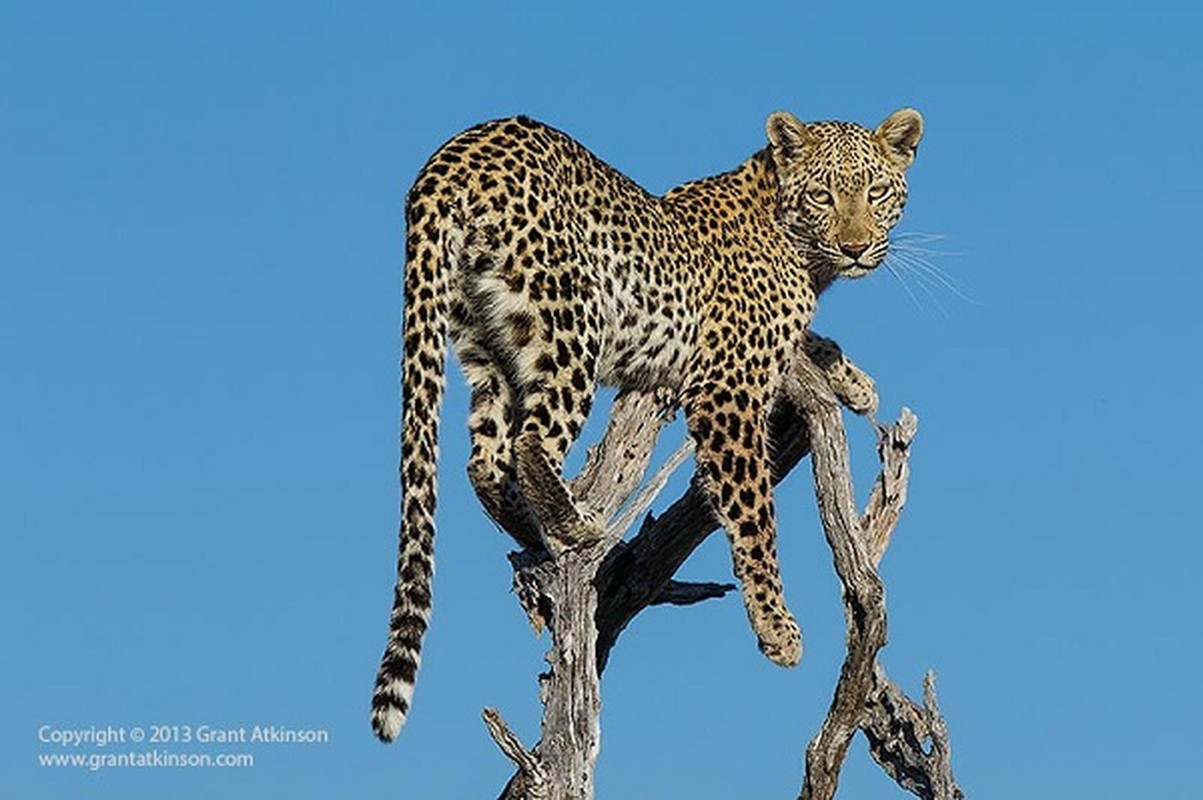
{"x": 907, "y": 255}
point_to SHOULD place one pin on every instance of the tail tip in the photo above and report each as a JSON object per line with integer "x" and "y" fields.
{"x": 386, "y": 722}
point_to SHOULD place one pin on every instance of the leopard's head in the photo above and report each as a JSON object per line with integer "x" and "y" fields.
{"x": 842, "y": 187}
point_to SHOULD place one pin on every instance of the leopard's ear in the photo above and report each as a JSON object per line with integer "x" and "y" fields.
{"x": 787, "y": 134}
{"x": 900, "y": 133}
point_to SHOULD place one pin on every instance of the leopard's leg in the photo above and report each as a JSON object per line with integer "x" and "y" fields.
{"x": 558, "y": 364}
{"x": 729, "y": 429}
{"x": 490, "y": 420}
{"x": 852, "y": 385}
{"x": 548, "y": 430}
{"x": 491, "y": 467}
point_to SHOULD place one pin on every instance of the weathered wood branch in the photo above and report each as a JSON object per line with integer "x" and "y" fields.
{"x": 596, "y": 583}
{"x": 865, "y": 698}
{"x": 682, "y": 593}
{"x": 530, "y": 781}
{"x": 558, "y": 593}
{"x": 896, "y": 727}
{"x": 863, "y": 593}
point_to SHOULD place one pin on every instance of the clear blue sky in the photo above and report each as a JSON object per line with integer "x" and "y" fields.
{"x": 200, "y": 245}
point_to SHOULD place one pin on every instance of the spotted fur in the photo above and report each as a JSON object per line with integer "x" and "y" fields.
{"x": 554, "y": 273}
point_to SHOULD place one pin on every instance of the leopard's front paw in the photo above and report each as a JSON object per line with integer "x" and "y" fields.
{"x": 851, "y": 384}
{"x": 855, "y": 389}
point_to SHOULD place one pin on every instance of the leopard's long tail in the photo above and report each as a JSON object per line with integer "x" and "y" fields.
{"x": 424, "y": 329}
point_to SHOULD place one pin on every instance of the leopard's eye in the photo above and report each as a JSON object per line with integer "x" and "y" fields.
{"x": 878, "y": 192}
{"x": 820, "y": 197}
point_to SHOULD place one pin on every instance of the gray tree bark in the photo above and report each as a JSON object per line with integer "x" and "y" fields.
{"x": 588, "y": 592}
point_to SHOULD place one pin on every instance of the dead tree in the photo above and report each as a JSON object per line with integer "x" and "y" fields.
{"x": 586, "y": 594}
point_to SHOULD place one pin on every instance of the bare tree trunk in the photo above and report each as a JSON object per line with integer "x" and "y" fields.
{"x": 588, "y": 592}
{"x": 559, "y": 593}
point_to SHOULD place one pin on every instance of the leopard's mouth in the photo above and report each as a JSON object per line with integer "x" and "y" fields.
{"x": 858, "y": 267}
{"x": 841, "y": 264}
{"x": 857, "y": 270}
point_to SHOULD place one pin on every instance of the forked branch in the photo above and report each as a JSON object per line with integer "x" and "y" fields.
{"x": 865, "y": 698}
{"x": 590, "y": 591}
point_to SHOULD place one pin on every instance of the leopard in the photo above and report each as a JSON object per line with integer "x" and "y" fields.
{"x": 553, "y": 273}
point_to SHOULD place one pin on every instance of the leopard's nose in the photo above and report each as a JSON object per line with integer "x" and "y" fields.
{"x": 854, "y": 250}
